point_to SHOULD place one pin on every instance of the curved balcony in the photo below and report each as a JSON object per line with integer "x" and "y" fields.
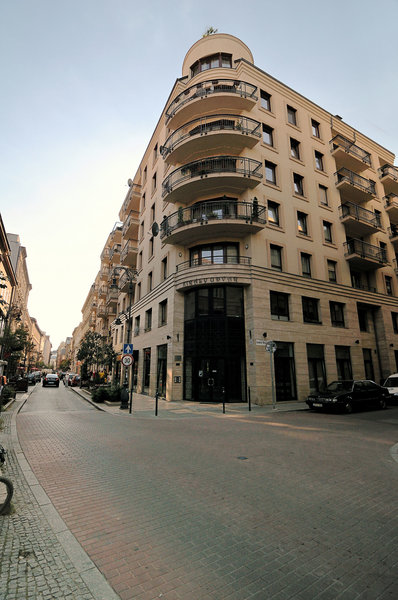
{"x": 389, "y": 178}
{"x": 349, "y": 155}
{"x": 131, "y": 225}
{"x": 353, "y": 186}
{"x": 393, "y": 235}
{"x": 207, "y": 96}
{"x": 363, "y": 255}
{"x": 112, "y": 298}
{"x": 210, "y": 133}
{"x": 359, "y": 221}
{"x": 132, "y": 200}
{"x": 216, "y": 175}
{"x": 128, "y": 255}
{"x": 209, "y": 220}
{"x": 197, "y": 273}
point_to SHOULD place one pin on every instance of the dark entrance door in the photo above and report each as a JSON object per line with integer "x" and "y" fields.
{"x": 209, "y": 379}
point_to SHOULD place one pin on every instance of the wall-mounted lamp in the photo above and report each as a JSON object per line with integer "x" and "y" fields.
{"x": 357, "y": 341}
{"x": 168, "y": 337}
{"x": 391, "y": 345}
{"x": 247, "y": 246}
{"x": 180, "y": 254}
{"x": 264, "y": 334}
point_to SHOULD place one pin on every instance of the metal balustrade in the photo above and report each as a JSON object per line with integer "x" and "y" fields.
{"x": 365, "y": 250}
{"x": 359, "y": 213}
{"x": 389, "y": 170}
{"x": 339, "y": 141}
{"x": 248, "y": 167}
{"x": 208, "y": 124}
{"x": 207, "y": 88}
{"x": 203, "y": 212}
{"x": 345, "y": 175}
{"x": 205, "y": 262}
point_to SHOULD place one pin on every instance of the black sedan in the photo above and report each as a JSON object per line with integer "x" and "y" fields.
{"x": 51, "y": 379}
{"x": 349, "y": 394}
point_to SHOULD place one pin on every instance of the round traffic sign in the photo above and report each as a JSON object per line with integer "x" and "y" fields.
{"x": 270, "y": 346}
{"x": 127, "y": 360}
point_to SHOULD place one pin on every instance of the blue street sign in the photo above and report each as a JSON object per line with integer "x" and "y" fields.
{"x": 127, "y": 348}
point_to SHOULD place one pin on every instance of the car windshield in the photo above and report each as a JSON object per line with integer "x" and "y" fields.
{"x": 340, "y": 386}
{"x": 52, "y": 376}
{"x": 391, "y": 382}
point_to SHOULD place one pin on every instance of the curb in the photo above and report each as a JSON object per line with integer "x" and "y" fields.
{"x": 90, "y": 574}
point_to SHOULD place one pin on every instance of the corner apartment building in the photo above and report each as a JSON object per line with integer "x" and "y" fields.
{"x": 257, "y": 215}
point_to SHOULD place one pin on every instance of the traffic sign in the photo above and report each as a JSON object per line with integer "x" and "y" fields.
{"x": 127, "y": 360}
{"x": 270, "y": 346}
{"x": 127, "y": 348}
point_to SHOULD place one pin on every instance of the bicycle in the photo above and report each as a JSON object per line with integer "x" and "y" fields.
{"x": 6, "y": 487}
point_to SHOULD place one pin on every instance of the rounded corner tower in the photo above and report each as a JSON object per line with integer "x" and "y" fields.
{"x": 212, "y": 45}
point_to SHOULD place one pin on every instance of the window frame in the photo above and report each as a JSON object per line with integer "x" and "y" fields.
{"x": 310, "y": 305}
{"x": 265, "y": 100}
{"x": 291, "y": 115}
{"x": 275, "y": 303}
{"x": 270, "y": 166}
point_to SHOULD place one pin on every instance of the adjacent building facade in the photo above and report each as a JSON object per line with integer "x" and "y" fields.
{"x": 255, "y": 215}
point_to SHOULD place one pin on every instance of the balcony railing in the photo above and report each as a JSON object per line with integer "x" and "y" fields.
{"x": 204, "y": 212}
{"x": 205, "y": 262}
{"x": 207, "y": 88}
{"x": 365, "y": 250}
{"x": 388, "y": 170}
{"x": 115, "y": 250}
{"x": 350, "y": 209}
{"x": 248, "y": 167}
{"x": 339, "y": 141}
{"x": 393, "y": 231}
{"x": 345, "y": 175}
{"x": 208, "y": 124}
{"x": 132, "y": 219}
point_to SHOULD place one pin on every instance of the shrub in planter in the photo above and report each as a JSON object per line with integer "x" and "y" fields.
{"x": 7, "y": 393}
{"x": 100, "y": 394}
{"x": 114, "y": 393}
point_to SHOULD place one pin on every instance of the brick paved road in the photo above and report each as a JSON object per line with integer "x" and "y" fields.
{"x": 267, "y": 507}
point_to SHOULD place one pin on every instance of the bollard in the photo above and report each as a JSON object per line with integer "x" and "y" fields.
{"x": 156, "y": 403}
{"x": 250, "y": 400}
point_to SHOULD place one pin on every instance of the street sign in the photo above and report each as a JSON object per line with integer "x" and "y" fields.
{"x": 270, "y": 347}
{"x": 261, "y": 343}
{"x": 127, "y": 348}
{"x": 127, "y": 360}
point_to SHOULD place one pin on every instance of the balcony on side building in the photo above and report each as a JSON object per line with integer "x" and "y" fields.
{"x": 208, "y": 96}
{"x": 105, "y": 256}
{"x": 112, "y": 297}
{"x": 354, "y": 187}
{"x": 395, "y": 265}
{"x": 131, "y": 225}
{"x": 132, "y": 200}
{"x": 389, "y": 178}
{"x": 195, "y": 273}
{"x": 364, "y": 256}
{"x": 393, "y": 235}
{"x": 102, "y": 291}
{"x": 211, "y": 219}
{"x": 216, "y": 175}
{"x": 102, "y": 310}
{"x": 359, "y": 221}
{"x": 104, "y": 273}
{"x": 391, "y": 206}
{"x": 349, "y": 155}
{"x": 114, "y": 254}
{"x": 126, "y": 284}
{"x": 128, "y": 257}
{"x": 210, "y": 133}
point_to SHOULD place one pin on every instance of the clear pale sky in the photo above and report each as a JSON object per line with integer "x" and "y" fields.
{"x": 78, "y": 105}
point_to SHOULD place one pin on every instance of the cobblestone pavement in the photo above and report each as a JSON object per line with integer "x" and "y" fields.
{"x": 39, "y": 559}
{"x": 262, "y": 506}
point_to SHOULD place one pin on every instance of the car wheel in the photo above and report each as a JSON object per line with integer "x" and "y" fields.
{"x": 348, "y": 407}
{"x": 310, "y": 405}
{"x": 382, "y": 403}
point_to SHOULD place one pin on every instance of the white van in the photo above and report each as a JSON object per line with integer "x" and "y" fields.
{"x": 391, "y": 383}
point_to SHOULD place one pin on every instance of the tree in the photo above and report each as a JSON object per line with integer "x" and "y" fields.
{"x": 209, "y": 31}
{"x": 94, "y": 352}
{"x": 15, "y": 344}
{"x": 64, "y": 365}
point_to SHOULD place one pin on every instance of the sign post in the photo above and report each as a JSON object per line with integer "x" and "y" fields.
{"x": 270, "y": 347}
{"x": 128, "y": 361}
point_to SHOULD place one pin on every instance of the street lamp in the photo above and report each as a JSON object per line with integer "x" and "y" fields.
{"x": 131, "y": 275}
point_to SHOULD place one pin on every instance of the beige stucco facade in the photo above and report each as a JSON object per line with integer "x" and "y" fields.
{"x": 256, "y": 215}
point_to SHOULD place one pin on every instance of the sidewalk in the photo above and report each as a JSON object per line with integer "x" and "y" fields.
{"x": 144, "y": 406}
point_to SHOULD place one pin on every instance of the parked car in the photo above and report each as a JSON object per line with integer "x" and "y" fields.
{"x": 51, "y": 379}
{"x": 31, "y": 379}
{"x": 75, "y": 380}
{"x": 349, "y": 394}
{"x": 391, "y": 383}
{"x": 68, "y": 378}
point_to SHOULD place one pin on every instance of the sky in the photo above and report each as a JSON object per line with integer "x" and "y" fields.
{"x": 78, "y": 105}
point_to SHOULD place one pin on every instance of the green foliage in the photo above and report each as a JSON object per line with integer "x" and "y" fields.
{"x": 94, "y": 352}
{"x": 100, "y": 394}
{"x": 209, "y": 31}
{"x": 7, "y": 392}
{"x": 64, "y": 365}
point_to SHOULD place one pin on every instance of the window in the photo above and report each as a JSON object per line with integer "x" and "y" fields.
{"x": 164, "y": 269}
{"x": 291, "y": 115}
{"x": 139, "y": 291}
{"x": 362, "y": 319}
{"x": 143, "y": 201}
{"x": 368, "y": 363}
{"x": 265, "y": 100}
{"x": 388, "y": 281}
{"x": 268, "y": 137}
{"x": 319, "y": 160}
{"x": 145, "y": 174}
{"x": 148, "y": 320}
{"x": 151, "y": 247}
{"x": 298, "y": 183}
{"x": 222, "y": 253}
{"x": 337, "y": 314}
{"x": 323, "y": 195}
{"x": 150, "y": 282}
{"x": 152, "y": 213}
{"x": 279, "y": 306}
{"x": 302, "y": 224}
{"x": 343, "y": 362}
{"x": 295, "y": 148}
{"x": 315, "y": 128}
{"x": 137, "y": 325}
{"x": 212, "y": 62}
{"x": 310, "y": 310}
{"x": 332, "y": 271}
{"x": 155, "y": 152}
{"x": 270, "y": 172}
{"x": 140, "y": 260}
{"x": 273, "y": 213}
{"x": 327, "y": 232}
{"x": 276, "y": 257}
{"x": 162, "y": 313}
{"x": 154, "y": 182}
{"x": 141, "y": 230}
{"x": 316, "y": 367}
{"x": 305, "y": 264}
{"x": 394, "y": 317}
